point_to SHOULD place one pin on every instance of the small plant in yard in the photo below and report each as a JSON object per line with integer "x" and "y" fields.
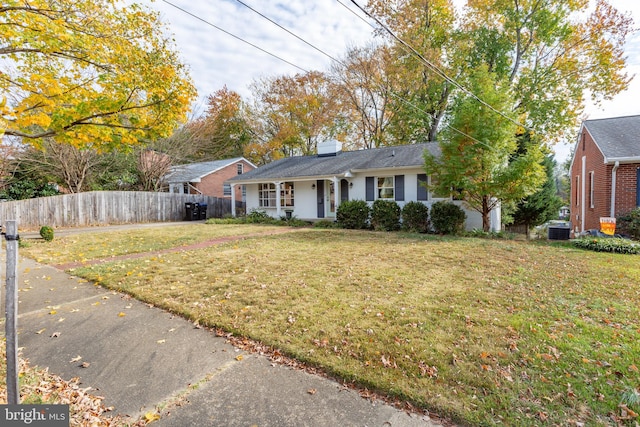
{"x": 490, "y": 234}
{"x": 258, "y": 216}
{"x": 630, "y": 223}
{"x": 447, "y": 218}
{"x": 607, "y": 244}
{"x": 385, "y": 215}
{"x": 46, "y": 233}
{"x": 415, "y": 217}
{"x": 354, "y": 214}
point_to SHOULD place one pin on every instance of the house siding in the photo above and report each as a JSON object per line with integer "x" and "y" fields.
{"x": 213, "y": 184}
{"x": 586, "y": 213}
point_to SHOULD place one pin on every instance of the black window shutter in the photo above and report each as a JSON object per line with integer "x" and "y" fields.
{"x": 422, "y": 187}
{"x": 370, "y": 190}
{"x": 399, "y": 188}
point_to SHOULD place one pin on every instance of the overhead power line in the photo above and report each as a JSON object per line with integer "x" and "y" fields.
{"x": 235, "y": 37}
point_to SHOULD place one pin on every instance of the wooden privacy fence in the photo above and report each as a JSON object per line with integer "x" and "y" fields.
{"x": 108, "y": 207}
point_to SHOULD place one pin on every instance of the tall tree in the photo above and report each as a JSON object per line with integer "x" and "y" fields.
{"x": 88, "y": 73}
{"x": 290, "y": 115}
{"x": 550, "y": 54}
{"x": 480, "y": 162}
{"x": 223, "y": 130}
{"x": 542, "y": 206}
{"x": 424, "y": 54}
{"x": 365, "y": 83}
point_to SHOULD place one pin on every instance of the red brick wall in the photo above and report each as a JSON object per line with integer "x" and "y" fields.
{"x": 212, "y": 184}
{"x": 625, "y": 186}
{"x": 626, "y": 179}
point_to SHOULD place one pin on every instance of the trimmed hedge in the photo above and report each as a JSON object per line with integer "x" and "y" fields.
{"x": 447, "y": 218}
{"x": 415, "y": 217}
{"x": 385, "y": 215}
{"x": 353, "y": 214}
{"x": 607, "y": 244}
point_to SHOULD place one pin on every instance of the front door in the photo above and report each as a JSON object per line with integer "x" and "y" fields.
{"x": 331, "y": 200}
{"x": 320, "y": 197}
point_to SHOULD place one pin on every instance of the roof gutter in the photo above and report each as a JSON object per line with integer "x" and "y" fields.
{"x": 621, "y": 160}
{"x": 614, "y": 173}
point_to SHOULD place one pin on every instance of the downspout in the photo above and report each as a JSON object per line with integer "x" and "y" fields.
{"x": 613, "y": 189}
{"x": 233, "y": 200}
{"x": 583, "y": 193}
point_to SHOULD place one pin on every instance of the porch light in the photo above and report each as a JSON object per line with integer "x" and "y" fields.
{"x": 351, "y": 185}
{"x": 313, "y": 186}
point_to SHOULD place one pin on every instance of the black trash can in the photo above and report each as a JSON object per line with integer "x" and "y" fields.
{"x": 203, "y": 211}
{"x": 192, "y": 211}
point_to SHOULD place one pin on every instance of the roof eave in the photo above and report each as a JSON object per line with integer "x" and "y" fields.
{"x": 621, "y": 160}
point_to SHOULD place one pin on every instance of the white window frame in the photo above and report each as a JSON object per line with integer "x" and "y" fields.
{"x": 226, "y": 190}
{"x": 267, "y": 195}
{"x": 240, "y": 168}
{"x": 384, "y": 181}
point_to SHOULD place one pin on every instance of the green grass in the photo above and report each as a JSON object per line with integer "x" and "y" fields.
{"x": 82, "y": 247}
{"x": 483, "y": 331}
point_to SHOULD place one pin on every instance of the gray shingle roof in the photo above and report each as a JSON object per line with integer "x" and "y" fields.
{"x": 194, "y": 171}
{"x": 399, "y": 156}
{"x": 618, "y": 137}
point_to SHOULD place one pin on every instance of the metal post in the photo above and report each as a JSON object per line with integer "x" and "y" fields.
{"x": 11, "y": 326}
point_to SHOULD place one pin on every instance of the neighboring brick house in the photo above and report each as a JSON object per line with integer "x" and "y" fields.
{"x": 208, "y": 178}
{"x": 605, "y": 171}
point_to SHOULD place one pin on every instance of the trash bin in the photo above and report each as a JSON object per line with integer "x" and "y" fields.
{"x": 559, "y": 232}
{"x": 192, "y": 211}
{"x": 203, "y": 211}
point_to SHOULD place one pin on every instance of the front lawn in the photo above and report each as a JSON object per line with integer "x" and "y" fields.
{"x": 483, "y": 331}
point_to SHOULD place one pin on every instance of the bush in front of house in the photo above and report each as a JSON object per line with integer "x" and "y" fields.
{"x": 447, "y": 218}
{"x": 258, "y": 216}
{"x": 385, "y": 215}
{"x": 353, "y": 214}
{"x": 46, "y": 233}
{"x": 415, "y": 217}
{"x": 630, "y": 223}
{"x": 607, "y": 244}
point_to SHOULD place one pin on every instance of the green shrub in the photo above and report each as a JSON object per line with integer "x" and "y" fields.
{"x": 385, "y": 215}
{"x": 46, "y": 233}
{"x": 447, "y": 218}
{"x": 630, "y": 223}
{"x": 258, "y": 216}
{"x": 293, "y": 222}
{"x": 415, "y": 217}
{"x": 481, "y": 234}
{"x": 353, "y": 214}
{"x": 607, "y": 244}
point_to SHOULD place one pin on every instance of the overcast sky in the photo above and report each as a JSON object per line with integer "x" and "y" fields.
{"x": 216, "y": 58}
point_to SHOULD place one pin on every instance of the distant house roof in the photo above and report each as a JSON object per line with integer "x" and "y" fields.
{"x": 301, "y": 167}
{"x": 194, "y": 172}
{"x": 618, "y": 138}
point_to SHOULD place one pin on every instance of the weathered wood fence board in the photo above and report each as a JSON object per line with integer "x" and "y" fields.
{"x": 108, "y": 207}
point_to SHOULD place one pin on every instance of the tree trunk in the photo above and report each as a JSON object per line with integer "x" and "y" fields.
{"x": 486, "y": 212}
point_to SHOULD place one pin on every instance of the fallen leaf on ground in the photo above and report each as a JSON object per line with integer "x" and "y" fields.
{"x": 75, "y": 359}
{"x": 151, "y": 416}
{"x": 85, "y": 365}
{"x": 161, "y": 341}
{"x": 121, "y": 314}
{"x": 40, "y": 331}
{"x": 312, "y": 391}
{"x": 55, "y": 335}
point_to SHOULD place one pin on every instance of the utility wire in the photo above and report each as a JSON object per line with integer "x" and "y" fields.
{"x": 288, "y": 31}
{"x": 435, "y": 68}
{"x": 234, "y": 36}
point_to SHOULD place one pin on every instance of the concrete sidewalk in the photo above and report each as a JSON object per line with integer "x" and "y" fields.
{"x": 141, "y": 358}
